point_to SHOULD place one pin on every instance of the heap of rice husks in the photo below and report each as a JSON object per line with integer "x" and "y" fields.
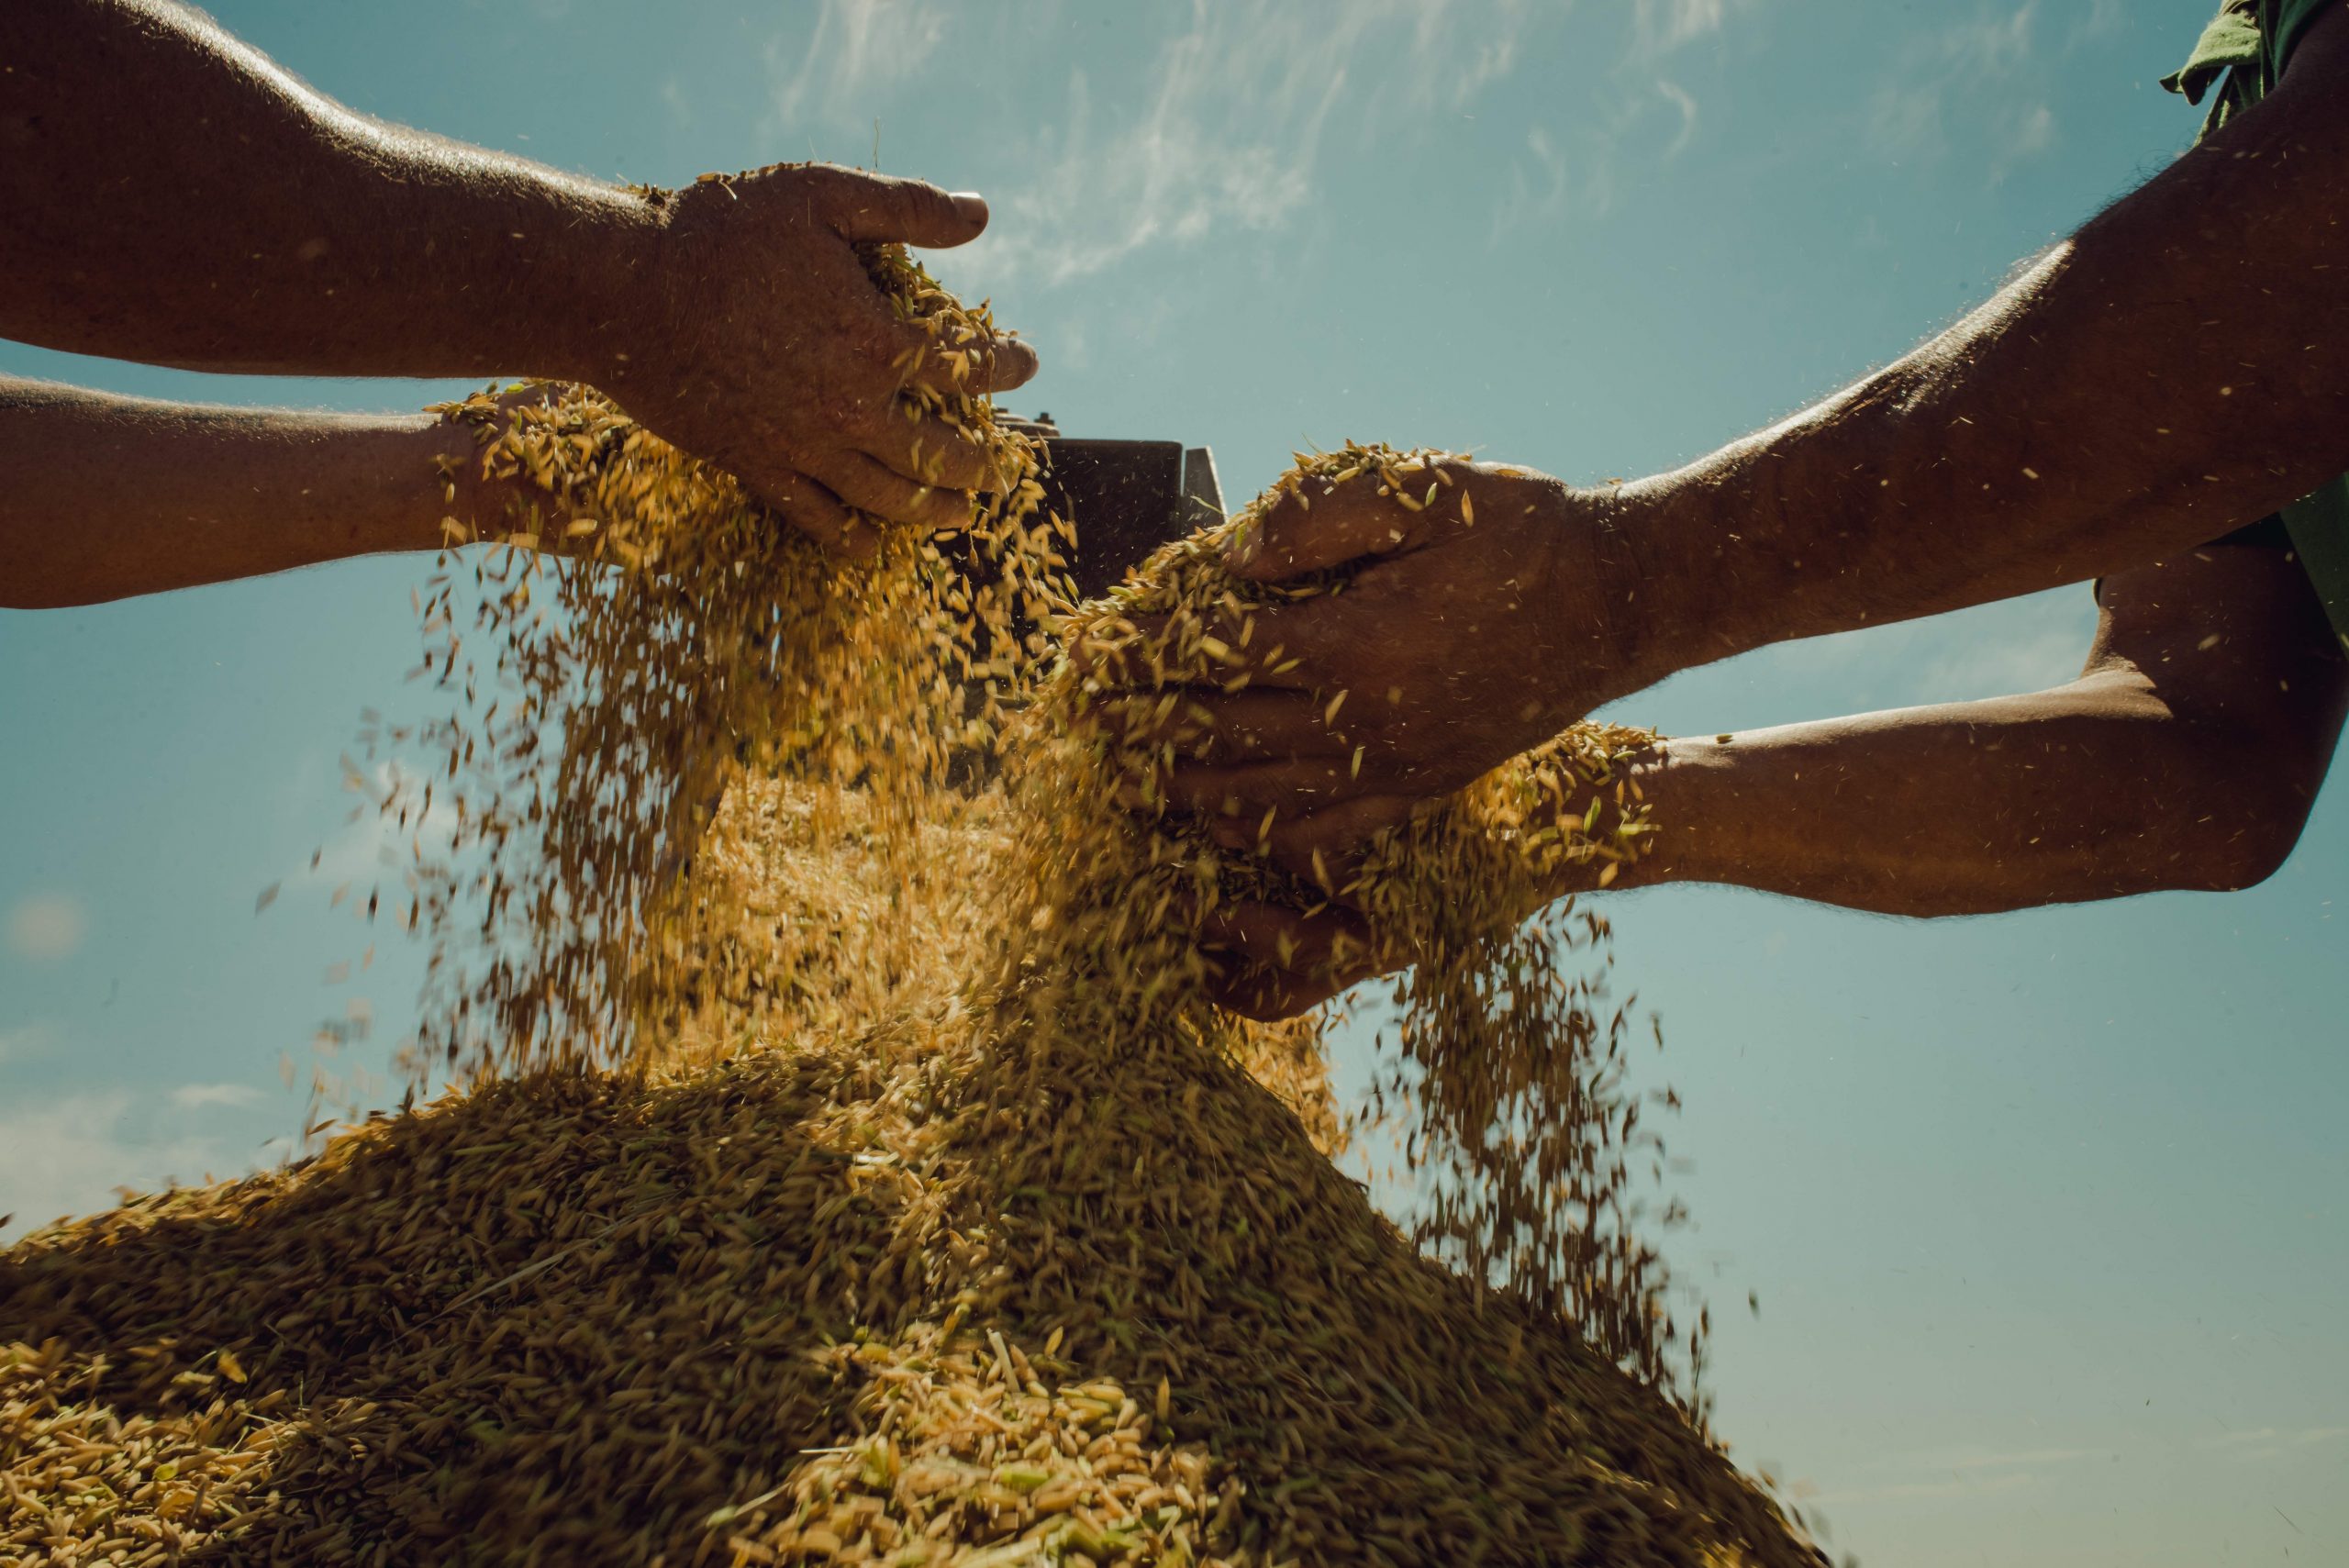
{"x": 847, "y": 1166}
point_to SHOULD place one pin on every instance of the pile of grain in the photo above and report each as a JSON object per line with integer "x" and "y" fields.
{"x": 647, "y": 635}
{"x": 930, "y": 1214}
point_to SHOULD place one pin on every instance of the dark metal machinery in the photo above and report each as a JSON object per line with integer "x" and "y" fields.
{"x": 1124, "y": 498}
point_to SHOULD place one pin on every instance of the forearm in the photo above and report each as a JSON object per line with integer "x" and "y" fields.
{"x": 174, "y": 197}
{"x": 2092, "y": 790}
{"x": 109, "y": 497}
{"x": 2179, "y": 366}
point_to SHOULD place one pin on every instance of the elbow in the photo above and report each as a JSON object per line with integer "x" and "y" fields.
{"x": 2236, "y": 813}
{"x": 2243, "y": 858}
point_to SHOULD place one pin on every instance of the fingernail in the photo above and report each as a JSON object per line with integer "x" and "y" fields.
{"x": 970, "y": 207}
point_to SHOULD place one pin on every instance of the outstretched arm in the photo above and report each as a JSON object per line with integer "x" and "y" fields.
{"x": 2178, "y": 367}
{"x": 113, "y": 496}
{"x": 174, "y": 196}
{"x": 2186, "y": 756}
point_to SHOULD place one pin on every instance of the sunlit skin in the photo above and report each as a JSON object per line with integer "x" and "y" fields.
{"x": 115, "y": 496}
{"x": 2178, "y": 368}
{"x": 2185, "y": 756}
{"x": 174, "y": 197}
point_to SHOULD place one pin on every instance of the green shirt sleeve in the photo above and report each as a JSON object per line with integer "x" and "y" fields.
{"x": 2230, "y": 40}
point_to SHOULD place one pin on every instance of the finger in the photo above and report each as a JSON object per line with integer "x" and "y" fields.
{"x": 862, "y": 205}
{"x": 1124, "y": 653}
{"x": 980, "y": 365}
{"x": 1292, "y": 786}
{"x": 1278, "y": 645}
{"x": 1283, "y": 962}
{"x": 926, "y": 449}
{"x": 864, "y": 483}
{"x": 1112, "y": 653}
{"x": 817, "y": 513}
{"x": 1265, "y": 995}
{"x": 1325, "y": 848}
{"x": 1323, "y": 523}
{"x": 1211, "y": 726}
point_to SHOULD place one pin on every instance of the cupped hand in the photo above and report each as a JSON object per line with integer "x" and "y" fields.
{"x": 1272, "y": 960}
{"x": 763, "y": 346}
{"x": 1473, "y": 623}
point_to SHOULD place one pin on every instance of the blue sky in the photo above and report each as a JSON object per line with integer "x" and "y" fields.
{"x": 2044, "y": 1211}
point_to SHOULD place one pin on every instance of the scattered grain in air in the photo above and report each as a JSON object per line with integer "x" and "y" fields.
{"x": 824, "y": 1146}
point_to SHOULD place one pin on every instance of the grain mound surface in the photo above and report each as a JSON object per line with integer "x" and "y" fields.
{"x": 864, "y": 1177}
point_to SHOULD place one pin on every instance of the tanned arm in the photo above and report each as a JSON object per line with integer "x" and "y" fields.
{"x": 2185, "y": 757}
{"x": 109, "y": 497}
{"x": 2178, "y": 367}
{"x": 2181, "y": 364}
{"x": 172, "y": 196}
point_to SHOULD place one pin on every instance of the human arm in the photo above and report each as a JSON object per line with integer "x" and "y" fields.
{"x": 2186, "y": 756}
{"x": 2177, "y": 367}
{"x": 113, "y": 496}
{"x": 175, "y": 197}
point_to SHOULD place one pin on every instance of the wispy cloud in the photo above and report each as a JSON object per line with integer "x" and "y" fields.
{"x": 1225, "y": 127}
{"x": 1537, "y": 186}
{"x": 1233, "y": 123}
{"x": 2260, "y": 1445}
{"x": 1955, "y": 1486}
{"x": 859, "y": 52}
{"x": 26, "y": 1042}
{"x": 1664, "y": 24}
{"x": 2012, "y": 1459}
{"x": 2102, "y": 16}
{"x": 46, "y": 928}
{"x": 1965, "y": 1472}
{"x": 69, "y": 1155}
{"x": 375, "y": 846}
{"x": 1679, "y": 98}
{"x": 194, "y": 1096}
{"x": 1980, "y": 81}
{"x": 1581, "y": 175}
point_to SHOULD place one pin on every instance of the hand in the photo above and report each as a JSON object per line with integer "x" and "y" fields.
{"x": 763, "y": 346}
{"x": 1472, "y": 627}
{"x": 1272, "y": 960}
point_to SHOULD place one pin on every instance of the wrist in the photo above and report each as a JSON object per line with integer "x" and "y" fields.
{"x": 467, "y": 505}
{"x": 1640, "y": 587}
{"x": 1697, "y": 810}
{"x": 1634, "y": 794}
{"x": 604, "y": 284}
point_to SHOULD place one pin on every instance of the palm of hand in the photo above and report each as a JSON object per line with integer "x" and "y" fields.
{"x": 1467, "y": 630}
{"x": 768, "y": 349}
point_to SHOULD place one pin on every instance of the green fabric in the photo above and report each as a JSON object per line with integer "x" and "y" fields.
{"x": 2245, "y": 49}
{"x": 2319, "y": 524}
{"x": 2291, "y": 16}
{"x": 2230, "y": 40}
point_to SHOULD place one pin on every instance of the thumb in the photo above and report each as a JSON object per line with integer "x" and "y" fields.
{"x": 878, "y": 207}
{"x": 1321, "y": 527}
